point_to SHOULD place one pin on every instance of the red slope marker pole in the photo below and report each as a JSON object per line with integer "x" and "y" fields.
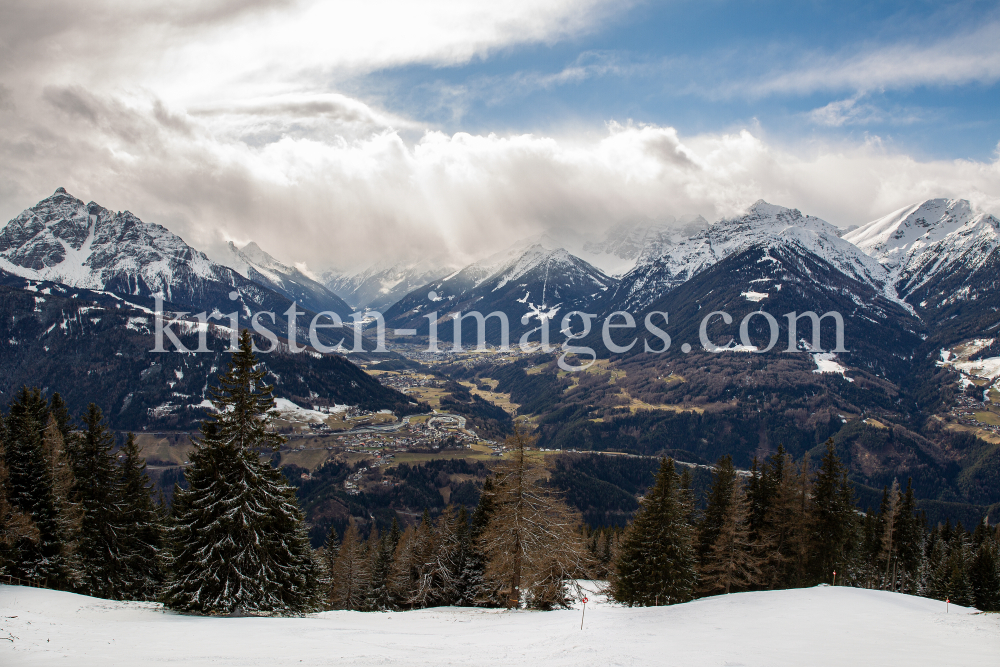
{"x": 584, "y": 612}
{"x": 946, "y": 601}
{"x": 834, "y": 577}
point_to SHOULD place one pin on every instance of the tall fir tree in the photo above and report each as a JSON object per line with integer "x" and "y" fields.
{"x": 15, "y": 525}
{"x": 30, "y": 492}
{"x": 141, "y": 540}
{"x": 785, "y": 529}
{"x": 60, "y": 465}
{"x": 832, "y": 516}
{"x": 238, "y": 541}
{"x": 476, "y": 591}
{"x": 98, "y": 491}
{"x": 380, "y": 569}
{"x": 719, "y": 498}
{"x": 656, "y": 563}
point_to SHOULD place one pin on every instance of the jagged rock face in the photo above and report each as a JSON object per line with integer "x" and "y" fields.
{"x": 63, "y": 240}
{"x": 87, "y": 246}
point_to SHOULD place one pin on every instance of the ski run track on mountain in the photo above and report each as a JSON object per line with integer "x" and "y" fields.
{"x": 799, "y": 627}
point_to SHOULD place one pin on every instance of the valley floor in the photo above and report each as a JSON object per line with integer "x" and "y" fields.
{"x": 817, "y": 626}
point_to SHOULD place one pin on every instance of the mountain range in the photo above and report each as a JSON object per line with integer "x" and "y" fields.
{"x": 915, "y": 288}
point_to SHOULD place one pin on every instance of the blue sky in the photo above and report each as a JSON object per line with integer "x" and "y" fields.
{"x": 341, "y": 133}
{"x": 693, "y": 65}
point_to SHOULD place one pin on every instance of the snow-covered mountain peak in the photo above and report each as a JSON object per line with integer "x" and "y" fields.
{"x": 762, "y": 223}
{"x": 897, "y": 238}
{"x": 934, "y": 238}
{"x": 85, "y": 245}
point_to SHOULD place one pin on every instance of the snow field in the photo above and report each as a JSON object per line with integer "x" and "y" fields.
{"x": 817, "y": 626}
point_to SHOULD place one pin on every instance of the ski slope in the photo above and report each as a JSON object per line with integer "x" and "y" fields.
{"x": 817, "y": 626}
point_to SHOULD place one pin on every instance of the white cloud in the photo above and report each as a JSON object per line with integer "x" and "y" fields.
{"x": 963, "y": 58}
{"x": 345, "y": 196}
{"x": 191, "y": 52}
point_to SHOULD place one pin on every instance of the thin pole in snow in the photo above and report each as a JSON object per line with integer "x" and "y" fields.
{"x": 946, "y": 601}
{"x": 584, "y": 612}
{"x": 834, "y": 577}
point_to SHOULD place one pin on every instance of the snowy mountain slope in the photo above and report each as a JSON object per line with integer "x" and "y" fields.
{"x": 538, "y": 280}
{"x": 662, "y": 268}
{"x": 265, "y": 270}
{"x": 63, "y": 240}
{"x": 95, "y": 347}
{"x": 379, "y": 286}
{"x": 779, "y": 275}
{"x": 774, "y": 628}
{"x": 930, "y": 242}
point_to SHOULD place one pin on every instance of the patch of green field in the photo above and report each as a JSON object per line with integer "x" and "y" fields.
{"x": 310, "y": 459}
{"x": 175, "y": 450}
{"x": 987, "y": 417}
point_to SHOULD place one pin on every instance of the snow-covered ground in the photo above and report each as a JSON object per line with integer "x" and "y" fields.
{"x": 816, "y": 626}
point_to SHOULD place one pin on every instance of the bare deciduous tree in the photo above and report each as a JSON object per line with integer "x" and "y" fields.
{"x": 532, "y": 545}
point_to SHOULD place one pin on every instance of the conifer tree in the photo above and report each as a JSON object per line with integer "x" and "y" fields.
{"x": 423, "y": 566}
{"x": 380, "y": 552}
{"x": 733, "y": 562}
{"x": 238, "y": 540}
{"x": 889, "y": 518}
{"x": 786, "y": 521}
{"x": 402, "y": 574}
{"x": 141, "y": 539}
{"x": 832, "y": 510}
{"x": 98, "y": 490}
{"x": 719, "y": 498}
{"x": 30, "y": 492}
{"x": 657, "y": 562}
{"x": 984, "y": 576}
{"x": 463, "y": 534}
{"x": 15, "y": 525}
{"x": 448, "y": 560}
{"x": 531, "y": 543}
{"x": 909, "y": 540}
{"x": 69, "y": 513}
{"x": 475, "y": 589}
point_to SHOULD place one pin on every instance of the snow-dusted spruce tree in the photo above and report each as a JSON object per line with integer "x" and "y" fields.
{"x": 380, "y": 553}
{"x": 656, "y": 562}
{"x": 475, "y": 591}
{"x": 141, "y": 539}
{"x": 39, "y": 555}
{"x": 238, "y": 542}
{"x": 531, "y": 544}
{"x": 402, "y": 573}
{"x": 423, "y": 548}
{"x": 99, "y": 553}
